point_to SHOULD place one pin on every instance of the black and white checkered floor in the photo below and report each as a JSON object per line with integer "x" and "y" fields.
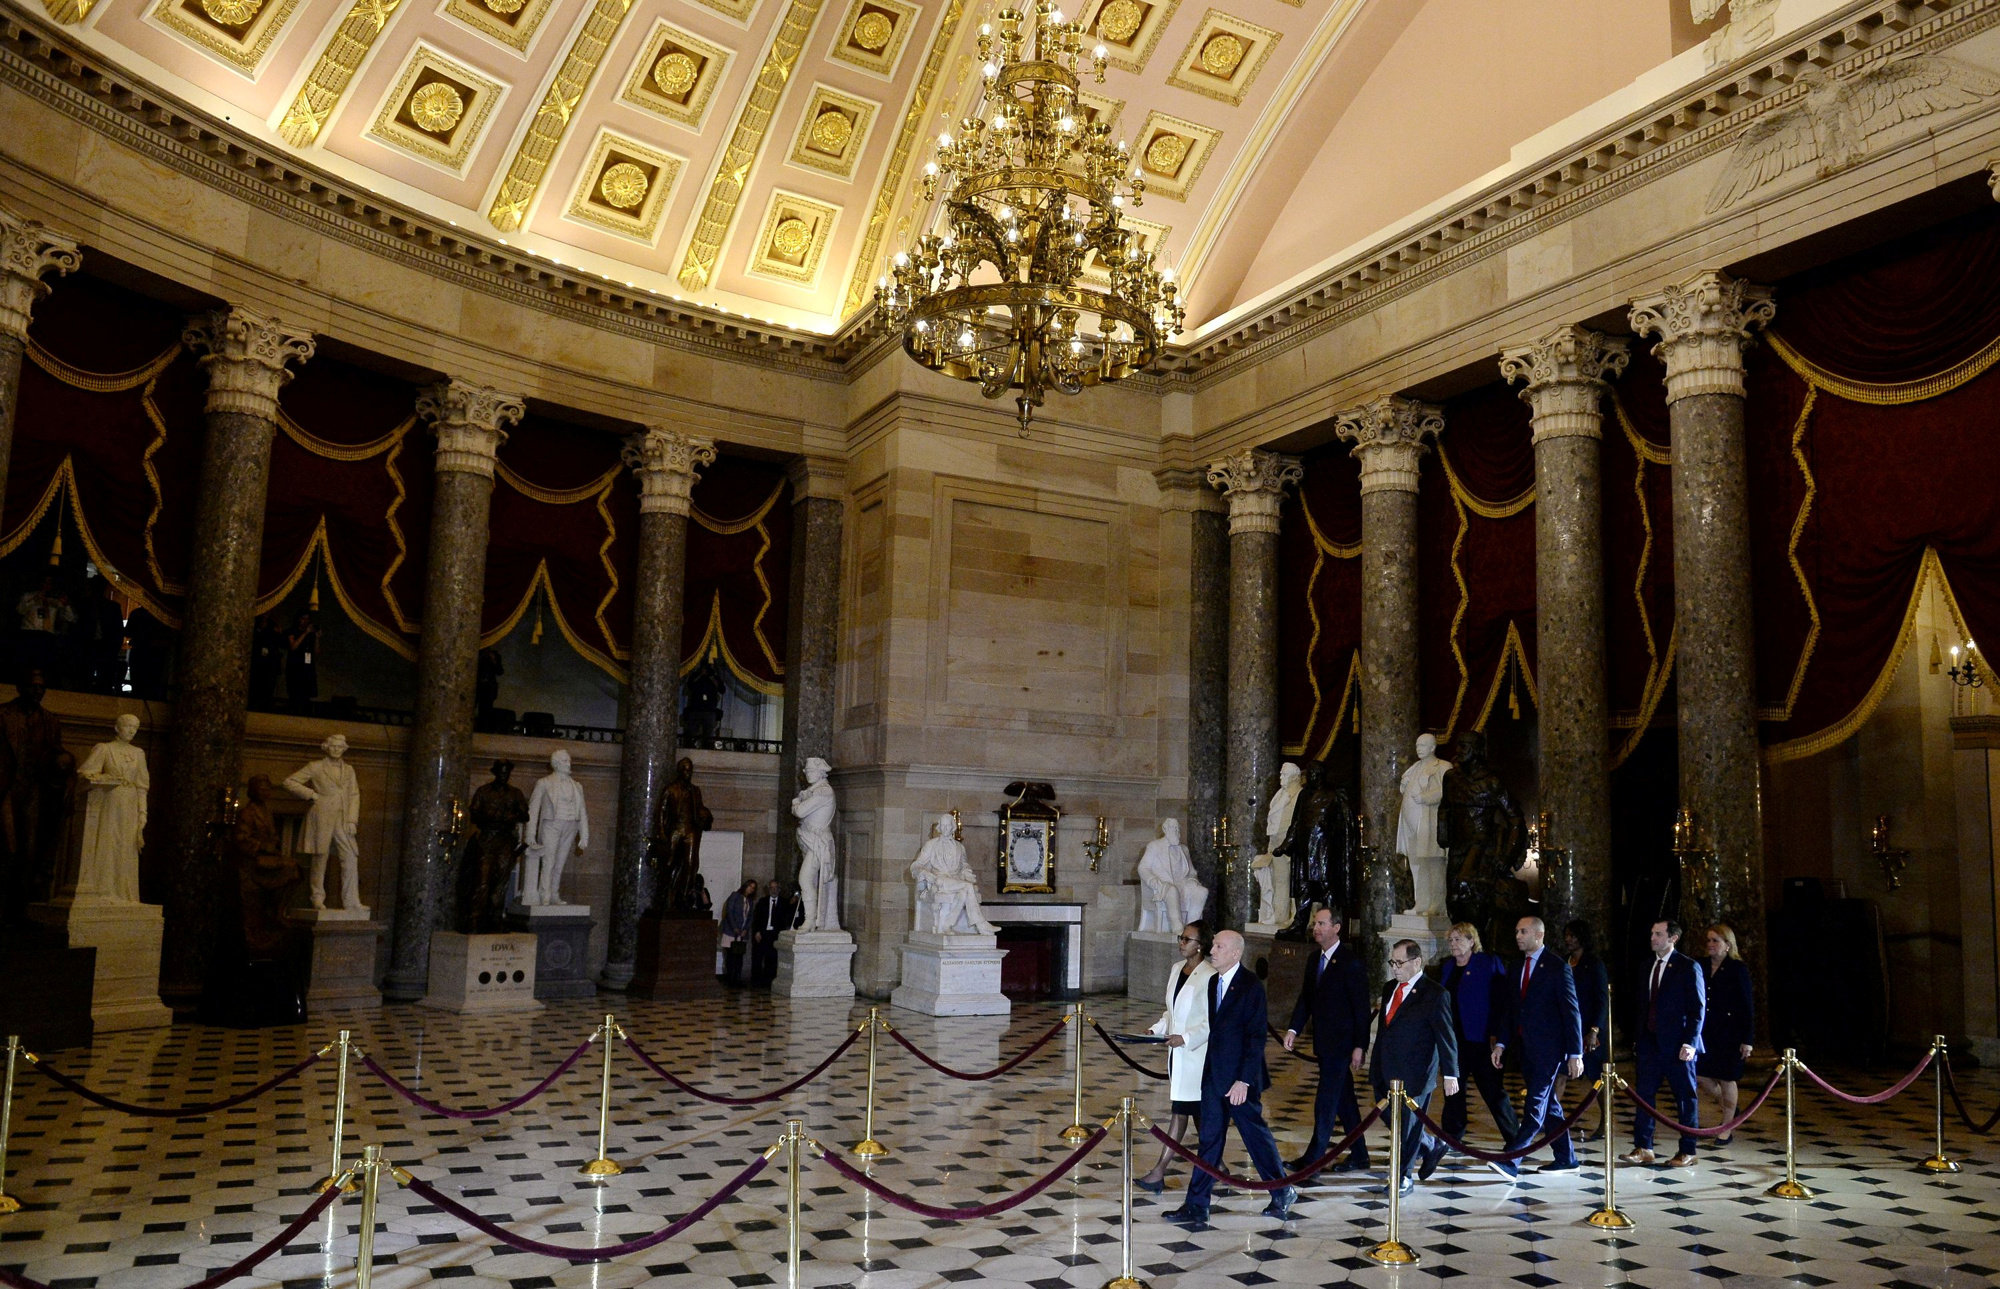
{"x": 113, "y": 1202}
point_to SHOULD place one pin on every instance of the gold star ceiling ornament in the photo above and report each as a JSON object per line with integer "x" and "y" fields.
{"x": 1031, "y": 189}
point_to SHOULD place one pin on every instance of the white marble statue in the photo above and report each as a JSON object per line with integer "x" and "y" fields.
{"x": 1273, "y": 872}
{"x": 1416, "y": 824}
{"x": 947, "y": 888}
{"x": 1170, "y": 895}
{"x": 813, "y": 807}
{"x": 114, "y": 819}
{"x": 558, "y": 827}
{"x": 330, "y": 785}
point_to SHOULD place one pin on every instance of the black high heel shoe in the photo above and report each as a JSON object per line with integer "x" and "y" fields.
{"x": 1155, "y": 1188}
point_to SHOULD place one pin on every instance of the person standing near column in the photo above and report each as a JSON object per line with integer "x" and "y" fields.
{"x": 1542, "y": 1019}
{"x": 1333, "y": 1000}
{"x": 1675, "y": 1000}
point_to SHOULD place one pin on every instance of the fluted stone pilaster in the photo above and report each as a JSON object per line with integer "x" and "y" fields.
{"x": 471, "y": 423}
{"x": 1704, "y": 326}
{"x": 666, "y": 463}
{"x": 1186, "y": 492}
{"x": 247, "y": 357}
{"x": 28, "y": 251}
{"x": 1564, "y": 377}
{"x": 819, "y": 490}
{"x": 1253, "y": 483}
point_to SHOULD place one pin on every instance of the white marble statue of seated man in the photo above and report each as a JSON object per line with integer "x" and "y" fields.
{"x": 1170, "y": 895}
{"x": 947, "y": 888}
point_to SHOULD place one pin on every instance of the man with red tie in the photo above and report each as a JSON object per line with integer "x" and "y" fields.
{"x": 1543, "y": 1020}
{"x": 1669, "y": 1041}
{"x": 1415, "y": 1041}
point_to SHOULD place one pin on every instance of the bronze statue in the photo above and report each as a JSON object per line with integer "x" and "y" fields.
{"x": 35, "y": 788}
{"x": 1484, "y": 835}
{"x": 677, "y": 845}
{"x": 1322, "y": 843}
{"x": 498, "y": 811}
{"x": 263, "y": 876}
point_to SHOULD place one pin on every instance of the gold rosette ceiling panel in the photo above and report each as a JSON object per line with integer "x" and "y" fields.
{"x": 1033, "y": 192}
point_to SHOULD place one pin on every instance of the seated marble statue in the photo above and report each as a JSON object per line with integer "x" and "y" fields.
{"x": 1170, "y": 894}
{"x": 947, "y": 888}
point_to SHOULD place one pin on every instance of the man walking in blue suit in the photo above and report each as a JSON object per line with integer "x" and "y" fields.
{"x": 1541, "y": 1017}
{"x": 1233, "y": 1080}
{"x": 1676, "y": 1000}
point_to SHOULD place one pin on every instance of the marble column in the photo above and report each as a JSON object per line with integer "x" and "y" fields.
{"x": 666, "y": 462}
{"x": 1564, "y": 377}
{"x": 1388, "y": 435}
{"x": 819, "y": 491}
{"x": 471, "y": 423}
{"x": 1704, "y": 326}
{"x": 27, "y": 251}
{"x": 1253, "y": 483}
{"x": 1186, "y": 492}
{"x": 247, "y": 357}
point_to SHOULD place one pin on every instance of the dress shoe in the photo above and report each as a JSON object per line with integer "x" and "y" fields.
{"x": 1681, "y": 1161}
{"x": 1188, "y": 1218}
{"x": 1504, "y": 1167}
{"x": 1560, "y": 1167}
{"x": 1300, "y": 1164}
{"x": 1155, "y": 1188}
{"x": 1281, "y": 1203}
{"x": 1427, "y": 1163}
{"x": 1725, "y": 1139}
{"x": 1636, "y": 1157}
{"x": 1351, "y": 1164}
{"x": 1407, "y": 1186}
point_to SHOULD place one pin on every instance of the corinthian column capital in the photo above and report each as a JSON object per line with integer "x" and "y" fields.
{"x": 666, "y": 462}
{"x": 28, "y": 249}
{"x": 471, "y": 423}
{"x": 1704, "y": 325}
{"x": 1564, "y": 373}
{"x": 246, "y": 356}
{"x": 1254, "y": 483}
{"x": 1388, "y": 435}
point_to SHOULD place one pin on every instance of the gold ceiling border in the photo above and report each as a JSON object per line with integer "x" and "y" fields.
{"x": 69, "y": 11}
{"x": 725, "y": 192}
{"x": 334, "y": 71}
{"x": 538, "y": 147}
{"x": 860, "y": 287}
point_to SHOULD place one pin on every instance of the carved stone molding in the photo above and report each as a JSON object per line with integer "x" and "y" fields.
{"x": 1704, "y": 325}
{"x": 666, "y": 462}
{"x": 1993, "y": 177}
{"x": 821, "y": 477}
{"x": 471, "y": 423}
{"x": 1254, "y": 484}
{"x": 1564, "y": 374}
{"x": 1187, "y": 492}
{"x": 246, "y": 355}
{"x": 28, "y": 249}
{"x": 1388, "y": 435}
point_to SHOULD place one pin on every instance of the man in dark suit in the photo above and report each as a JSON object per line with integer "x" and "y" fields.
{"x": 1541, "y": 1018}
{"x": 1333, "y": 999}
{"x": 1233, "y": 1079}
{"x": 1415, "y": 1041}
{"x": 769, "y": 916}
{"x": 1676, "y": 1000}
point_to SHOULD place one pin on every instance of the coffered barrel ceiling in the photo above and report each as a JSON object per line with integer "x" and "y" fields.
{"x": 757, "y": 155}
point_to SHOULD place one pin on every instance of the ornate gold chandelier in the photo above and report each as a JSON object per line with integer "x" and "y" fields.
{"x": 1034, "y": 194}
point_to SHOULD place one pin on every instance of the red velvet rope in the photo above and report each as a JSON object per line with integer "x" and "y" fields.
{"x": 603, "y": 1253}
{"x": 1884, "y": 1095}
{"x": 425, "y": 1103}
{"x": 869, "y": 1184}
{"x": 1519, "y": 1152}
{"x": 175, "y": 1112}
{"x": 1951, "y": 1082}
{"x": 235, "y": 1270}
{"x": 1119, "y": 1052}
{"x": 1339, "y": 1148}
{"x": 1719, "y": 1130}
{"x": 993, "y": 1073}
{"x": 761, "y": 1097}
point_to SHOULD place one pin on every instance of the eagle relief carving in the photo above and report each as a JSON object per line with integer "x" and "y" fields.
{"x": 1839, "y": 117}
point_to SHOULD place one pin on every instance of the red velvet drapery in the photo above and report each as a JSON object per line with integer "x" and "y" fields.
{"x": 1319, "y": 606}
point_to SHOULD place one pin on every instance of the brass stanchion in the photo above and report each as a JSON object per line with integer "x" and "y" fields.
{"x": 794, "y": 1134}
{"x": 334, "y": 1176}
{"x": 1125, "y": 1279}
{"x": 1791, "y": 1187}
{"x": 1076, "y": 1132}
{"x": 1610, "y": 1217}
{"x": 868, "y": 1147}
{"x": 8, "y": 1204}
{"x": 1939, "y": 1162}
{"x": 371, "y": 1183}
{"x": 1392, "y": 1252}
{"x": 602, "y": 1166}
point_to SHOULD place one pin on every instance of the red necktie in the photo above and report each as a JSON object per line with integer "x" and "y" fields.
{"x": 1527, "y": 969}
{"x": 1397, "y": 1001}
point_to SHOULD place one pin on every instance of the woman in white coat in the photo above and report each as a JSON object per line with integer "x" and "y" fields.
{"x": 1185, "y": 1025}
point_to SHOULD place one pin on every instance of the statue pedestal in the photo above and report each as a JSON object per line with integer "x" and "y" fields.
{"x": 676, "y": 958}
{"x": 343, "y": 958}
{"x": 47, "y": 995}
{"x": 814, "y": 964}
{"x": 1149, "y": 956}
{"x": 562, "y": 947}
{"x": 951, "y": 975}
{"x": 476, "y": 975}
{"x": 125, "y": 984}
{"x": 1428, "y": 931}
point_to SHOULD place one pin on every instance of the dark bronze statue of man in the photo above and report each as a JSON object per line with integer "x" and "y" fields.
{"x": 677, "y": 845}
{"x": 1321, "y": 842}
{"x": 1484, "y": 835}
{"x": 498, "y": 811}
{"x": 263, "y": 876}
{"x": 35, "y": 774}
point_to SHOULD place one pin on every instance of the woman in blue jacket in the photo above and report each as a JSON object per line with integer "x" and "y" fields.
{"x": 1470, "y": 976}
{"x": 1727, "y": 1029}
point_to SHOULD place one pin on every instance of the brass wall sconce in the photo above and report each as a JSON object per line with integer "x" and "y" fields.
{"x": 1099, "y": 841}
{"x": 1893, "y": 861}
